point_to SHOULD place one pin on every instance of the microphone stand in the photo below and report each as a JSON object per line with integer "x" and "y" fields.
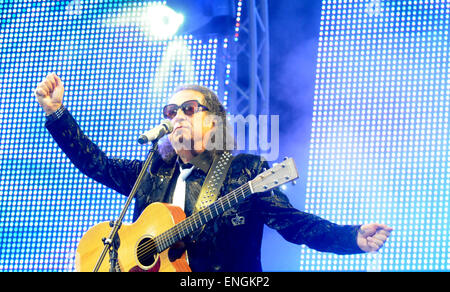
{"x": 112, "y": 243}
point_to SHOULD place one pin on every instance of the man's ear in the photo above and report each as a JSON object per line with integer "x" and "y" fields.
{"x": 210, "y": 122}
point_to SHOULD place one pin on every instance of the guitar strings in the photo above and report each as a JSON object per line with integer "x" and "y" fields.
{"x": 149, "y": 247}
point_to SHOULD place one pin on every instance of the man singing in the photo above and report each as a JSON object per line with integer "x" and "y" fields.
{"x": 225, "y": 243}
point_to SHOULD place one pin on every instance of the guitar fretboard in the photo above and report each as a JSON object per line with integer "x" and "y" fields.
{"x": 197, "y": 220}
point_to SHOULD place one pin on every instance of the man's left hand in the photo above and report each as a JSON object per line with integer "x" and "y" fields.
{"x": 371, "y": 237}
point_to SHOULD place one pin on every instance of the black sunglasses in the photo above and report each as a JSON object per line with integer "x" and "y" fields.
{"x": 189, "y": 108}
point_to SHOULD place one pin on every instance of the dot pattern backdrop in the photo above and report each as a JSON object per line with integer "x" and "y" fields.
{"x": 380, "y": 143}
{"x": 117, "y": 78}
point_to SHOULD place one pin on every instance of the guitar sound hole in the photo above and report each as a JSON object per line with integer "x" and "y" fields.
{"x": 146, "y": 252}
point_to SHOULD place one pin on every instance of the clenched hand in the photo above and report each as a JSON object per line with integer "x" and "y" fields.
{"x": 50, "y": 93}
{"x": 371, "y": 237}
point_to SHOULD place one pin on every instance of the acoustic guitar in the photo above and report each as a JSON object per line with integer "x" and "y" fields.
{"x": 153, "y": 242}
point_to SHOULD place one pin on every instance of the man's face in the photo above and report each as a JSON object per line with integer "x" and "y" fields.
{"x": 188, "y": 131}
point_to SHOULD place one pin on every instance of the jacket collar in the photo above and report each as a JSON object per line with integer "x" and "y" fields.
{"x": 202, "y": 161}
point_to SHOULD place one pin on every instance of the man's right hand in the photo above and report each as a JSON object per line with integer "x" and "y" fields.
{"x": 50, "y": 93}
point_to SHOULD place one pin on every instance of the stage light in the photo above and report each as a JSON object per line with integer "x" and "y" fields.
{"x": 161, "y": 21}
{"x": 157, "y": 20}
{"x": 212, "y": 17}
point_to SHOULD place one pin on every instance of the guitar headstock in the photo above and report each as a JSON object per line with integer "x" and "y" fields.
{"x": 279, "y": 174}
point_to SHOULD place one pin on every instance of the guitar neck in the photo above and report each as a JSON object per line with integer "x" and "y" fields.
{"x": 197, "y": 220}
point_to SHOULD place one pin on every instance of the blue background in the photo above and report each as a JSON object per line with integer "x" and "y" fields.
{"x": 361, "y": 88}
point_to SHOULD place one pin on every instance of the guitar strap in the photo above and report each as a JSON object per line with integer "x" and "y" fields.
{"x": 213, "y": 181}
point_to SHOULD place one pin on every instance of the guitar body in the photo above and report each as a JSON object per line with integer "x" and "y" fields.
{"x": 154, "y": 220}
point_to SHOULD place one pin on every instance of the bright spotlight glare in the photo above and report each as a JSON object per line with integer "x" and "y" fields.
{"x": 161, "y": 21}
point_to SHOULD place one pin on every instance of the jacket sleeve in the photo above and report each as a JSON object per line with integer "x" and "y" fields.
{"x": 118, "y": 174}
{"x": 303, "y": 228}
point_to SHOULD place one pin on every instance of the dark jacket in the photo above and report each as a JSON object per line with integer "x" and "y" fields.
{"x": 222, "y": 246}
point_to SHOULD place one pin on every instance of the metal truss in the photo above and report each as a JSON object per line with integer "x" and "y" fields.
{"x": 250, "y": 73}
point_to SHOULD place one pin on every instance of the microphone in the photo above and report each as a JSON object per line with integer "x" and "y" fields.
{"x": 157, "y": 132}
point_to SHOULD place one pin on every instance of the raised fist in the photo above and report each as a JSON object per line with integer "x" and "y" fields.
{"x": 50, "y": 93}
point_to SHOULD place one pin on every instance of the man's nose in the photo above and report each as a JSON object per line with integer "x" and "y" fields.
{"x": 179, "y": 116}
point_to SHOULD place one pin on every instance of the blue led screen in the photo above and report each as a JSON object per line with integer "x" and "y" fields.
{"x": 379, "y": 147}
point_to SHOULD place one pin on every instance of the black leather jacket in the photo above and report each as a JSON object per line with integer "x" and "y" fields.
{"x": 222, "y": 246}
